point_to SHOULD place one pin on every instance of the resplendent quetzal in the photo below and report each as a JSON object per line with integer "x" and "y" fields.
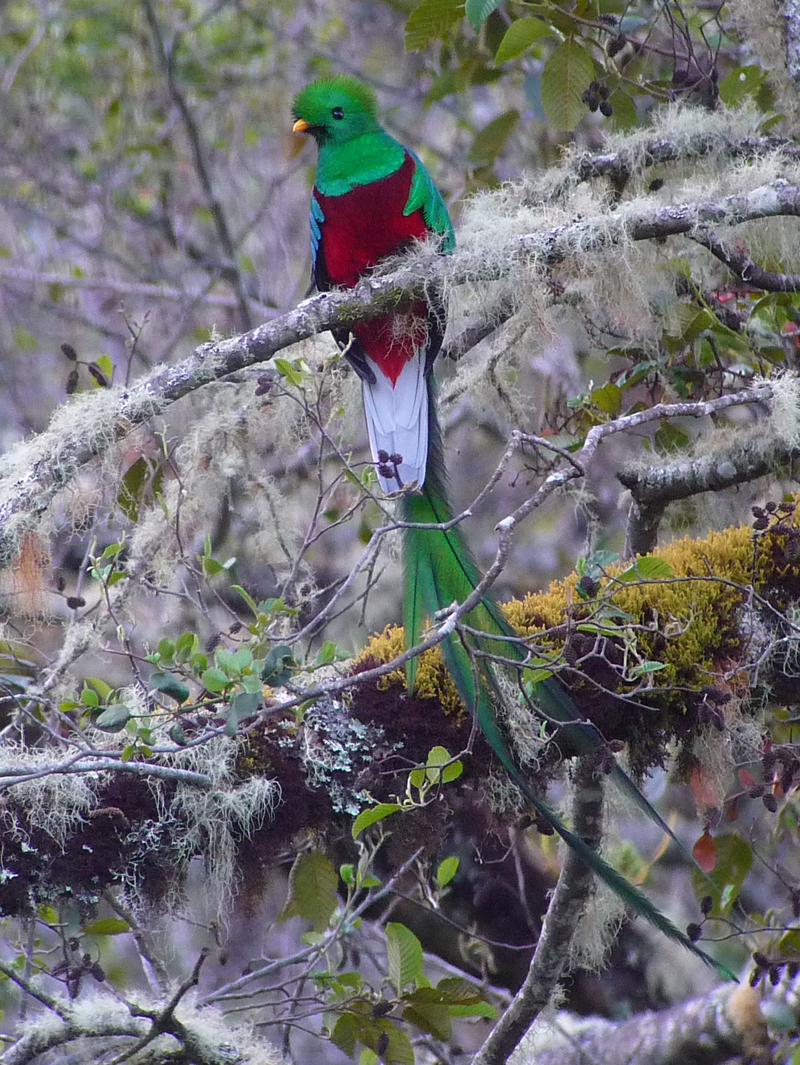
{"x": 373, "y": 198}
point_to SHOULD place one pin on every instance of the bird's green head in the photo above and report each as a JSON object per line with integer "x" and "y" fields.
{"x": 335, "y": 110}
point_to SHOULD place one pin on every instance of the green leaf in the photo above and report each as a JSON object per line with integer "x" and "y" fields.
{"x": 646, "y": 568}
{"x": 278, "y": 665}
{"x": 430, "y": 1017}
{"x": 214, "y": 680}
{"x": 670, "y": 437}
{"x": 567, "y": 74}
{"x": 102, "y": 688}
{"x": 345, "y": 1033}
{"x": 439, "y": 768}
{"x": 403, "y": 955}
{"x": 741, "y": 83}
{"x": 107, "y": 926}
{"x": 489, "y": 141}
{"x": 169, "y": 684}
{"x": 312, "y": 890}
{"x": 734, "y": 859}
{"x": 431, "y": 21}
{"x": 185, "y": 646}
{"x": 446, "y": 871}
{"x": 89, "y": 697}
{"x": 608, "y": 398}
{"x": 372, "y": 815}
{"x": 327, "y": 653}
{"x": 477, "y": 11}
{"x": 113, "y": 718}
{"x": 166, "y": 648}
{"x": 647, "y": 667}
{"x": 245, "y": 704}
{"x": 520, "y": 35}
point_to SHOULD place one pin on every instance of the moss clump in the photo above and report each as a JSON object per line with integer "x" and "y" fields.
{"x": 696, "y": 624}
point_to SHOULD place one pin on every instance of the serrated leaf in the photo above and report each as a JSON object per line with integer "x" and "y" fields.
{"x": 345, "y": 1034}
{"x": 446, "y": 871}
{"x": 431, "y": 21}
{"x": 372, "y": 815}
{"x": 477, "y": 11}
{"x": 312, "y": 890}
{"x": 107, "y": 926}
{"x": 113, "y": 718}
{"x": 430, "y": 1017}
{"x": 403, "y": 956}
{"x": 489, "y": 141}
{"x": 567, "y": 74}
{"x": 519, "y": 36}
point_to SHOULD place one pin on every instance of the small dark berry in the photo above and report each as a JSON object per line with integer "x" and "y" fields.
{"x": 213, "y": 641}
{"x": 606, "y": 108}
{"x": 235, "y": 627}
{"x": 72, "y": 382}
{"x": 74, "y": 602}
{"x": 758, "y": 512}
{"x": 60, "y": 583}
{"x": 656, "y": 185}
{"x": 70, "y": 352}
{"x": 707, "y": 905}
{"x": 770, "y": 802}
{"x": 694, "y": 931}
{"x": 761, "y": 960}
{"x": 760, "y": 524}
{"x": 771, "y": 507}
{"x": 383, "y": 456}
{"x": 382, "y": 1044}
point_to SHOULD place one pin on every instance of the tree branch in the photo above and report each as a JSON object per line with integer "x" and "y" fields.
{"x": 35, "y": 471}
{"x": 551, "y": 957}
{"x": 655, "y": 487}
{"x": 742, "y": 266}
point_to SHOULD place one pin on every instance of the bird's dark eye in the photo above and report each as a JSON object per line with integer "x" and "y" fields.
{"x": 337, "y": 113}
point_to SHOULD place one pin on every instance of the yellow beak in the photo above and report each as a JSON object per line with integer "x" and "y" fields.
{"x": 301, "y": 126}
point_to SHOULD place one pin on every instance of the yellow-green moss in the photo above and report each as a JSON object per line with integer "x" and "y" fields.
{"x": 694, "y": 626}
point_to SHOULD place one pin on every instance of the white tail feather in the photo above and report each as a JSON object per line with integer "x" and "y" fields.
{"x": 397, "y": 420}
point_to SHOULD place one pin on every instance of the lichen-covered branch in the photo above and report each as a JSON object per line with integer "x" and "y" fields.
{"x": 726, "y": 1022}
{"x": 654, "y": 487}
{"x": 32, "y": 474}
{"x": 551, "y": 957}
{"x": 789, "y": 13}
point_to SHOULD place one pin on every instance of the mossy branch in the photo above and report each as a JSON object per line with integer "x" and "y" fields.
{"x": 32, "y": 474}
